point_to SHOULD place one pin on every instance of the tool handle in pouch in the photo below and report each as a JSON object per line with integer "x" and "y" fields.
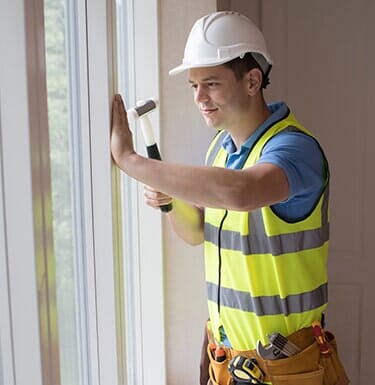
{"x": 153, "y": 153}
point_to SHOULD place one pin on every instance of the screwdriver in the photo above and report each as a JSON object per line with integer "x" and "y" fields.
{"x": 217, "y": 351}
{"x": 220, "y": 354}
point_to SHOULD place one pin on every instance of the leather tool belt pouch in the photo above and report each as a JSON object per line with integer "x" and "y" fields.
{"x": 334, "y": 372}
{"x": 302, "y": 368}
{"x": 308, "y": 367}
{"x": 218, "y": 371}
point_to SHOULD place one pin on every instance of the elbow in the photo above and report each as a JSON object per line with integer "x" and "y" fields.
{"x": 194, "y": 240}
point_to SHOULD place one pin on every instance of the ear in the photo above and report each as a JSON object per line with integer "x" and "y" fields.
{"x": 254, "y": 81}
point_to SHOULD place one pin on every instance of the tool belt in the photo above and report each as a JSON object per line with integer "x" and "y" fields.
{"x": 310, "y": 366}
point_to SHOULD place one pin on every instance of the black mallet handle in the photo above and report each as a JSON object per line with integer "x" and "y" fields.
{"x": 153, "y": 153}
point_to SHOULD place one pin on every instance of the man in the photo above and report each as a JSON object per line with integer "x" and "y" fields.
{"x": 260, "y": 204}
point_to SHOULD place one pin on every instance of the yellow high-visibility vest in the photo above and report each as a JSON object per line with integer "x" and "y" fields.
{"x": 264, "y": 274}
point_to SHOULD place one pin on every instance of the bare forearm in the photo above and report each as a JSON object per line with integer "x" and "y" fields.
{"x": 188, "y": 183}
{"x": 209, "y": 186}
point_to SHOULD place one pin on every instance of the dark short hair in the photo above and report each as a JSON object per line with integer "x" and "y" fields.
{"x": 241, "y": 66}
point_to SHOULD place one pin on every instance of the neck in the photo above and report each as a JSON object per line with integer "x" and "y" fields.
{"x": 255, "y": 116}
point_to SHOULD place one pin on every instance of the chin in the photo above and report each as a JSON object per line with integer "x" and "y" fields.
{"x": 213, "y": 124}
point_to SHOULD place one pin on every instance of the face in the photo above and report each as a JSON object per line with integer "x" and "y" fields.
{"x": 222, "y": 99}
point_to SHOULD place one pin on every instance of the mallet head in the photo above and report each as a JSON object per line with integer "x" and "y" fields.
{"x": 143, "y": 107}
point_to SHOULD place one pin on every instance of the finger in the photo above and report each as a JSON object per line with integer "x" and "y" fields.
{"x": 152, "y": 203}
{"x": 156, "y": 199}
{"x": 166, "y": 201}
{"x": 151, "y": 193}
{"x": 115, "y": 112}
{"x": 155, "y": 203}
{"x": 120, "y": 102}
{"x": 149, "y": 189}
{"x": 119, "y": 116}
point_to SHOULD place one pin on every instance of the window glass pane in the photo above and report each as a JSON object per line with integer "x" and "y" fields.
{"x": 65, "y": 175}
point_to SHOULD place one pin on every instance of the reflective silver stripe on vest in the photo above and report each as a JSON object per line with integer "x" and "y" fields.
{"x": 269, "y": 305}
{"x": 261, "y": 244}
{"x": 257, "y": 242}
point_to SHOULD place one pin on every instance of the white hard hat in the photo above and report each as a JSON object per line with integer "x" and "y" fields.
{"x": 220, "y": 37}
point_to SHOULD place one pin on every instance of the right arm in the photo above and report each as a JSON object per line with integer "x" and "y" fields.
{"x": 185, "y": 219}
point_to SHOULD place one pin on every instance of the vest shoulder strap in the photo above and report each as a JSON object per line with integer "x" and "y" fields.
{"x": 214, "y": 147}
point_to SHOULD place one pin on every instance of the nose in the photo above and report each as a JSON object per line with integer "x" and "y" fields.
{"x": 200, "y": 94}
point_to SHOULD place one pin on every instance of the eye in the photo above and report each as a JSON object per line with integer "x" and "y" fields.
{"x": 213, "y": 84}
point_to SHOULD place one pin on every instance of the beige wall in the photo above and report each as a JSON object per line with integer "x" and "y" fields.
{"x": 184, "y": 139}
{"x": 324, "y": 58}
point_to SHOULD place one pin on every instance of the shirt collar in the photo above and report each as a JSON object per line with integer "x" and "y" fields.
{"x": 278, "y": 111}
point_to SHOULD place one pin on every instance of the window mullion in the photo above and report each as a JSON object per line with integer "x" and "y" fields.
{"x": 99, "y": 102}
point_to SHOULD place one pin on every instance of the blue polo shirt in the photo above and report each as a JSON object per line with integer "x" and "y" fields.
{"x": 298, "y": 154}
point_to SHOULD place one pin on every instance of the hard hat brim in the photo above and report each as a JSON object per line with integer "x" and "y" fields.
{"x": 185, "y": 66}
{"x": 177, "y": 70}
{"x": 264, "y": 63}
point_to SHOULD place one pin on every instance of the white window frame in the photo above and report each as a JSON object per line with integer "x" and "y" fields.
{"x": 19, "y": 327}
{"x": 20, "y": 352}
{"x": 143, "y": 249}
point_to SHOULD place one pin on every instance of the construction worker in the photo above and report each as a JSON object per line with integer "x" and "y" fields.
{"x": 260, "y": 204}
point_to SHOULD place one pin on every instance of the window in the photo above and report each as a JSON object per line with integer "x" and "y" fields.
{"x": 79, "y": 268}
{"x": 63, "y": 90}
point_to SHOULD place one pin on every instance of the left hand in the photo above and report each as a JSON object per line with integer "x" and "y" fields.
{"x": 121, "y": 136}
{"x": 154, "y": 198}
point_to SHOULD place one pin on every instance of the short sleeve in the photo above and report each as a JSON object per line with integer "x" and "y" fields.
{"x": 302, "y": 160}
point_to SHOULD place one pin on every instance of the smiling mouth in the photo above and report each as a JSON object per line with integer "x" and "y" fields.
{"x": 208, "y": 111}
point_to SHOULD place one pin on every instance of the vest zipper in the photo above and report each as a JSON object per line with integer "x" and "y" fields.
{"x": 219, "y": 264}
